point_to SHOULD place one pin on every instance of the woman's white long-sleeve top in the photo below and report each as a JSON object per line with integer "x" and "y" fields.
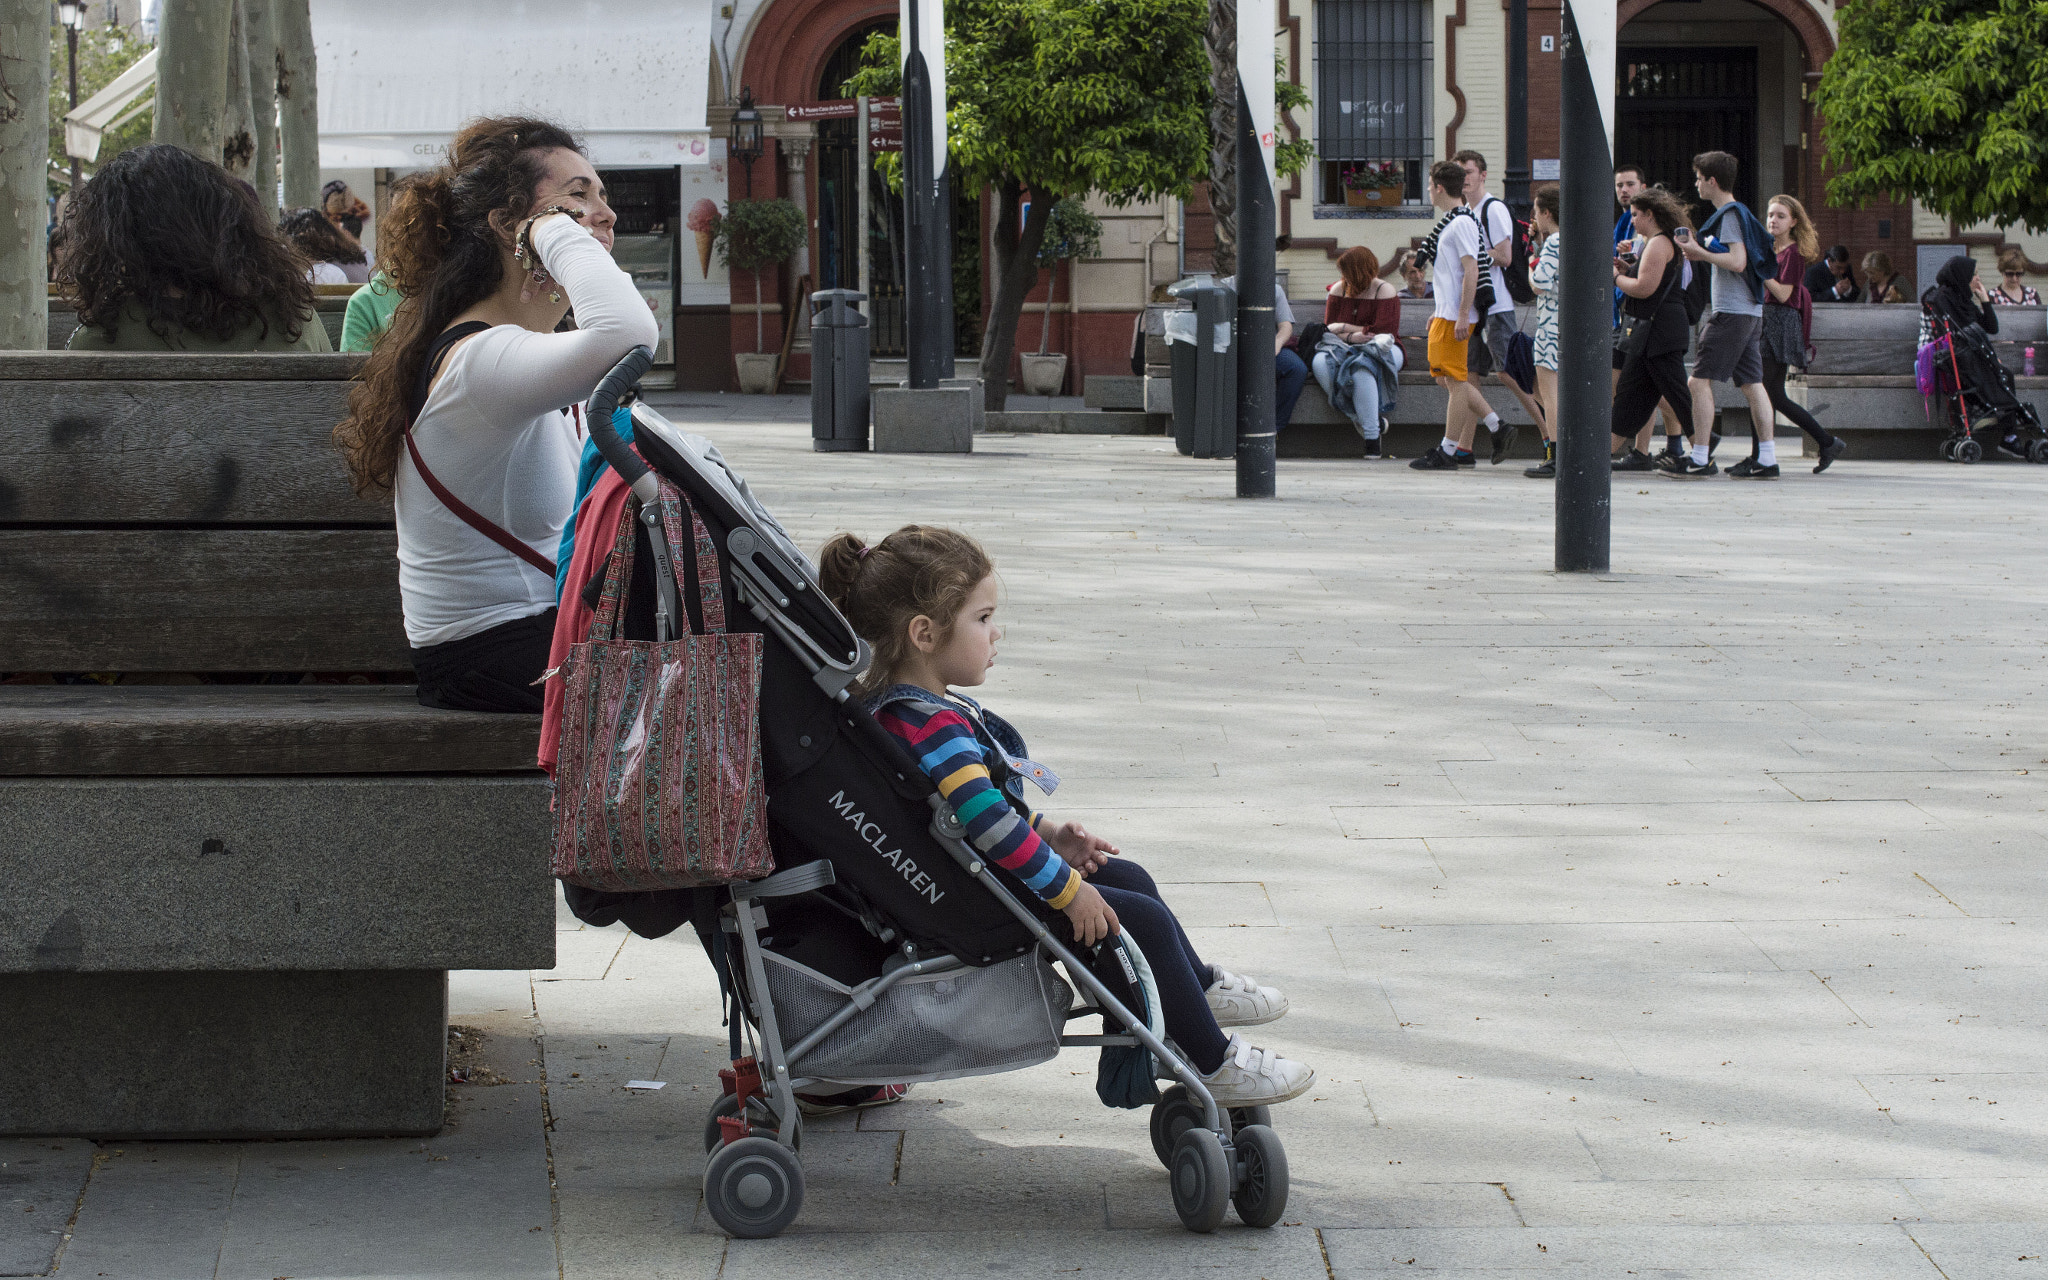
{"x": 497, "y": 433}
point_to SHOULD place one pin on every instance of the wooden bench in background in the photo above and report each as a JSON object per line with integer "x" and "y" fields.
{"x": 230, "y": 909}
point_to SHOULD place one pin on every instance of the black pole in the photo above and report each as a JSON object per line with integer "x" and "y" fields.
{"x": 71, "y": 59}
{"x": 1585, "y": 320}
{"x": 1518, "y": 107}
{"x": 930, "y": 333}
{"x": 1257, "y": 325}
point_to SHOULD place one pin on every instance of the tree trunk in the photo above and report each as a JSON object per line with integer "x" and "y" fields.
{"x": 24, "y": 173}
{"x": 192, "y": 76}
{"x": 1015, "y": 250}
{"x": 1222, "y": 42}
{"x": 1052, "y": 284}
{"x": 259, "y": 33}
{"x": 298, "y": 103}
{"x": 238, "y": 134}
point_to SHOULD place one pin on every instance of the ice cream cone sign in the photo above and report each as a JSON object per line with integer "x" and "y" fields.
{"x": 703, "y": 220}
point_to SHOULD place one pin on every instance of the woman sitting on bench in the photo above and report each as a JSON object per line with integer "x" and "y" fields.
{"x": 165, "y": 252}
{"x": 470, "y": 409}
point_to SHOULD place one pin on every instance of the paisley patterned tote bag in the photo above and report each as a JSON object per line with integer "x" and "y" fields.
{"x": 658, "y": 784}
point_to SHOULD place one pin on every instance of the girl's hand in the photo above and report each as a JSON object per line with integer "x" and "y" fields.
{"x": 1978, "y": 291}
{"x": 1083, "y": 852}
{"x": 1093, "y": 920}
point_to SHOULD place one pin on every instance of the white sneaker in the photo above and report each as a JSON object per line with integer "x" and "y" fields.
{"x": 1237, "y": 1001}
{"x": 1257, "y": 1077}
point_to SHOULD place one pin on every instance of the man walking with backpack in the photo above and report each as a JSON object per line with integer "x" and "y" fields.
{"x": 1510, "y": 285}
{"x": 1458, "y": 264}
{"x": 1738, "y": 249}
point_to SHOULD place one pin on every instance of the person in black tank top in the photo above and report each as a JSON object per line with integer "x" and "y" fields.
{"x": 1653, "y": 314}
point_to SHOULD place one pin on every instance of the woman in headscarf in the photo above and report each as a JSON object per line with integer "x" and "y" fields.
{"x": 1957, "y": 297}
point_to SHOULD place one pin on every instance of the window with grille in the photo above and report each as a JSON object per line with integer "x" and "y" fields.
{"x": 1374, "y": 78}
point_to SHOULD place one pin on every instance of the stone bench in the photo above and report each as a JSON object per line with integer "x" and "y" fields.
{"x": 230, "y": 908}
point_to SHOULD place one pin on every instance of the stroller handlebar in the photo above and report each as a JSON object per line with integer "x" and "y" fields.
{"x": 605, "y": 399}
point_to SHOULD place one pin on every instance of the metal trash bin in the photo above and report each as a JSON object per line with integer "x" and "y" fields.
{"x": 1204, "y": 367}
{"x": 839, "y": 372}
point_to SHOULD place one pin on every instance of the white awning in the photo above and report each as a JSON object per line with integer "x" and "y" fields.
{"x": 398, "y": 78}
{"x": 110, "y": 108}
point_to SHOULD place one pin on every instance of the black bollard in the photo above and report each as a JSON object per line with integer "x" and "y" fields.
{"x": 1585, "y": 318}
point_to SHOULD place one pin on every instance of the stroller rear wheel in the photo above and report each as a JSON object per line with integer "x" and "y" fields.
{"x": 753, "y": 1188}
{"x": 1968, "y": 451}
{"x": 2038, "y": 451}
{"x": 1947, "y": 448}
{"x": 1200, "y": 1174}
{"x": 1261, "y": 1195}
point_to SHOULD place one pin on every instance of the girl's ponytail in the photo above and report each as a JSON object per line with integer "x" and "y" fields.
{"x": 838, "y": 568}
{"x": 413, "y": 235}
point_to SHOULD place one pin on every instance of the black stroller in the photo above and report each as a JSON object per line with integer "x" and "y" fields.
{"x": 1980, "y": 400}
{"x": 883, "y": 949}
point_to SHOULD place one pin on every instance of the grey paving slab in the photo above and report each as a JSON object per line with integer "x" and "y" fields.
{"x": 40, "y": 1182}
{"x": 1667, "y": 1250}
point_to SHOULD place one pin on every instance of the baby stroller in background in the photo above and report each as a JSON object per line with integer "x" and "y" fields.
{"x": 1980, "y": 400}
{"x": 883, "y": 949}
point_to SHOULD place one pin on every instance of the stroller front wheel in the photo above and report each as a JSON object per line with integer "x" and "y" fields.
{"x": 2038, "y": 451}
{"x": 1261, "y": 1195}
{"x": 1174, "y": 1114}
{"x": 1968, "y": 451}
{"x": 1201, "y": 1179}
{"x": 754, "y": 1188}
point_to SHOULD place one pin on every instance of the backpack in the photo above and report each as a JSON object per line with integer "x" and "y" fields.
{"x": 1697, "y": 292}
{"x": 1523, "y": 240}
{"x": 1482, "y": 265}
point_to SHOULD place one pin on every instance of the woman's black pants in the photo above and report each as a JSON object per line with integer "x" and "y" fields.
{"x": 494, "y": 670}
{"x": 1646, "y": 379}
{"x": 1774, "y": 386}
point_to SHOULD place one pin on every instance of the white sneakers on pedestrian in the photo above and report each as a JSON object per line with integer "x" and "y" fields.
{"x": 1237, "y": 1001}
{"x": 1257, "y": 1077}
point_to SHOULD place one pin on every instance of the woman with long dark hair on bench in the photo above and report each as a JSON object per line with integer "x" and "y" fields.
{"x": 469, "y": 411}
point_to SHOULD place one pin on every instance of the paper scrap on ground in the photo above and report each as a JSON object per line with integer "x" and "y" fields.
{"x": 645, "y": 1084}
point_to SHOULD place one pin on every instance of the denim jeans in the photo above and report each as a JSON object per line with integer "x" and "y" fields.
{"x": 1365, "y": 394}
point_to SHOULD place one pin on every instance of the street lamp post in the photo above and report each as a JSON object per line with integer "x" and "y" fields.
{"x": 745, "y": 140}
{"x": 1585, "y": 289}
{"x": 72, "y": 14}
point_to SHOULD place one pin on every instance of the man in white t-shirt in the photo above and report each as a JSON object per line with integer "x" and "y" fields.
{"x": 1490, "y": 344}
{"x": 1455, "y": 280}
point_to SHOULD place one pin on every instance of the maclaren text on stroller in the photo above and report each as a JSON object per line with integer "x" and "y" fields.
{"x": 1981, "y": 399}
{"x": 884, "y": 949}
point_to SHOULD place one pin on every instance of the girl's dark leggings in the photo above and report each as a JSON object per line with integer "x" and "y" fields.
{"x": 1180, "y": 973}
{"x": 1774, "y": 386}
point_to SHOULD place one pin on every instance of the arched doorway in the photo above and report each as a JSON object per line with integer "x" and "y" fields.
{"x": 840, "y": 219}
{"x": 1718, "y": 75}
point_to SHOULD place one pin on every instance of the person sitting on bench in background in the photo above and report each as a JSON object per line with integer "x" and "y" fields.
{"x": 166, "y": 252}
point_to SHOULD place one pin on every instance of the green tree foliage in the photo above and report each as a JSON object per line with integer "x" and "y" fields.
{"x": 1289, "y": 158}
{"x": 1943, "y": 100}
{"x": 103, "y": 53}
{"x": 1060, "y": 98}
{"x": 1071, "y": 232}
{"x": 755, "y": 234}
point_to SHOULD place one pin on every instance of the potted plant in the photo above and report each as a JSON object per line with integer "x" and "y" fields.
{"x": 752, "y": 236}
{"x": 1375, "y": 184}
{"x": 1071, "y": 232}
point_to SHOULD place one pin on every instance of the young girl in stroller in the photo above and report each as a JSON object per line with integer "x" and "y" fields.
{"x": 925, "y": 599}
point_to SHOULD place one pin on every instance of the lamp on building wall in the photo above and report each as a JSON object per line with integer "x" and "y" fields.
{"x": 71, "y": 14}
{"x": 745, "y": 140}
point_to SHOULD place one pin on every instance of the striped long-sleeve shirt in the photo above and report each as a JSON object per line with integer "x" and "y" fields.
{"x": 944, "y": 745}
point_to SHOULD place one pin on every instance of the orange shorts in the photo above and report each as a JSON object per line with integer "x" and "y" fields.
{"x": 1447, "y": 350}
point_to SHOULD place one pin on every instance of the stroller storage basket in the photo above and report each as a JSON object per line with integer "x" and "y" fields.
{"x": 938, "y": 1026}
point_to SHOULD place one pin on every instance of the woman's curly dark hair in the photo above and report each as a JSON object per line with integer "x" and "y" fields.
{"x": 186, "y": 242}
{"x": 317, "y": 239}
{"x": 439, "y": 248}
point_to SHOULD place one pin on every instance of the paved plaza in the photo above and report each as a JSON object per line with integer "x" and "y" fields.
{"x": 1684, "y": 921}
